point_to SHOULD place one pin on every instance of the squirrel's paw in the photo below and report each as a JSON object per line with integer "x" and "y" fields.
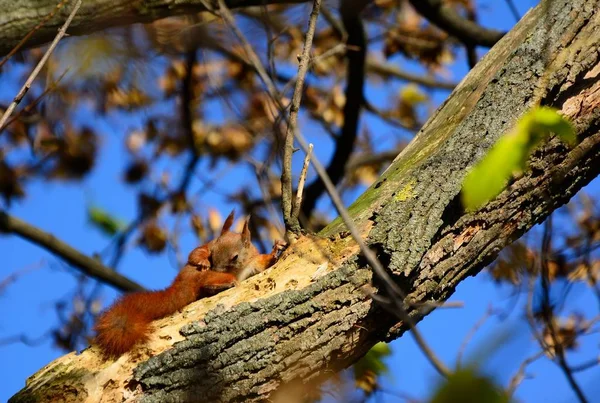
{"x": 203, "y": 264}
{"x": 199, "y": 261}
{"x": 213, "y": 289}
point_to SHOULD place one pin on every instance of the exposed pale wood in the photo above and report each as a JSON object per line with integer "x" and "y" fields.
{"x": 307, "y": 315}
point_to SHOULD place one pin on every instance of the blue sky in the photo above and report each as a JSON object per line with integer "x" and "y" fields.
{"x": 26, "y": 306}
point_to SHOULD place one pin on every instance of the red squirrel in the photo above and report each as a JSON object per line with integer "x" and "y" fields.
{"x": 211, "y": 268}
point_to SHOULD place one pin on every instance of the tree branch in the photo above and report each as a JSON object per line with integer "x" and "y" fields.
{"x": 362, "y": 159}
{"x": 30, "y": 33}
{"x": 307, "y": 316}
{"x": 187, "y": 95}
{"x": 446, "y": 18}
{"x": 18, "y": 18}
{"x": 390, "y": 70}
{"x": 83, "y": 263}
{"x": 557, "y": 348}
{"x": 290, "y": 216}
{"x": 61, "y": 32}
{"x": 355, "y": 80}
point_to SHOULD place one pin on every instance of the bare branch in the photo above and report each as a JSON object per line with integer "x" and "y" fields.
{"x": 445, "y": 17}
{"x": 586, "y": 365}
{"x": 520, "y": 375}
{"x": 513, "y": 9}
{"x": 291, "y": 219}
{"x": 83, "y": 263}
{"x": 224, "y": 13}
{"x": 36, "y": 101}
{"x": 98, "y": 15}
{"x": 488, "y": 313}
{"x": 372, "y": 260}
{"x": 389, "y": 70}
{"x": 25, "y": 339}
{"x": 298, "y": 201}
{"x": 354, "y": 93}
{"x": 353, "y": 18}
{"x": 362, "y": 159}
{"x": 548, "y": 315}
{"x": 61, "y": 32}
{"x": 12, "y": 277}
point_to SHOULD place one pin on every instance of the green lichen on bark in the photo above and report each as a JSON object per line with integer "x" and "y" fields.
{"x": 430, "y": 245}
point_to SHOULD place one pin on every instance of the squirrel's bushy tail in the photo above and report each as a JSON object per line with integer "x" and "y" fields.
{"x": 120, "y": 328}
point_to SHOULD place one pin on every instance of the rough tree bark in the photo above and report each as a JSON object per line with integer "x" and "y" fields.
{"x": 18, "y": 18}
{"x": 308, "y": 314}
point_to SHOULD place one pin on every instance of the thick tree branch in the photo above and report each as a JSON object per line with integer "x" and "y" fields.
{"x": 308, "y": 316}
{"x": 362, "y": 159}
{"x": 19, "y": 18}
{"x": 390, "y": 70}
{"x": 445, "y": 17}
{"x": 24, "y": 40}
{"x": 83, "y": 263}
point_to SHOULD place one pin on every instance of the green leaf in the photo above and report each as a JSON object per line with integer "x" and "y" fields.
{"x": 510, "y": 154}
{"x": 467, "y": 386}
{"x": 104, "y": 221}
{"x": 549, "y": 120}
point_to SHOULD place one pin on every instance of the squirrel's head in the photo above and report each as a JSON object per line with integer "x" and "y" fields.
{"x": 232, "y": 251}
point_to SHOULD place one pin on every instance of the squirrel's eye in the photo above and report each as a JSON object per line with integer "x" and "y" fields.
{"x": 234, "y": 258}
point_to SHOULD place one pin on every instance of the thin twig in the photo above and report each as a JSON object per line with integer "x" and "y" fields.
{"x": 356, "y": 44}
{"x": 289, "y": 217}
{"x": 586, "y": 365}
{"x": 520, "y": 375}
{"x": 301, "y": 181}
{"x": 61, "y": 32}
{"x": 262, "y": 173}
{"x": 548, "y": 315}
{"x": 340, "y": 48}
{"x": 24, "y": 339}
{"x": 372, "y": 260}
{"x": 36, "y": 101}
{"x": 226, "y": 14}
{"x": 488, "y": 313}
{"x": 30, "y": 33}
{"x": 12, "y": 277}
{"x": 85, "y": 264}
{"x": 369, "y": 255}
{"x": 385, "y": 116}
{"x": 513, "y": 9}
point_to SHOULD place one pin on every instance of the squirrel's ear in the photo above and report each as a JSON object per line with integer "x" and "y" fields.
{"x": 228, "y": 222}
{"x": 246, "y": 237}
